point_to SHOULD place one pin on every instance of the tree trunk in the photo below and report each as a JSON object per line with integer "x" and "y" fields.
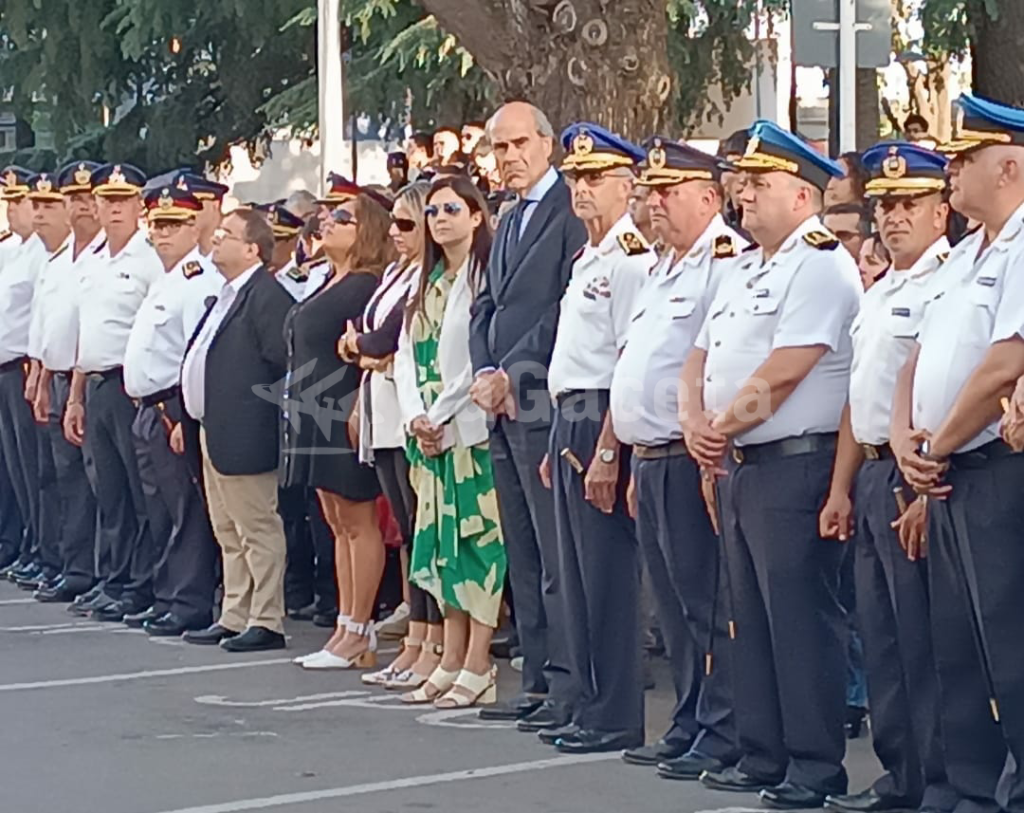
{"x": 868, "y": 116}
{"x": 997, "y": 49}
{"x": 578, "y": 60}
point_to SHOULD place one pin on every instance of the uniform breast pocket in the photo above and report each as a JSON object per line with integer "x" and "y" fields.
{"x": 903, "y": 323}
{"x": 681, "y": 309}
{"x": 762, "y": 305}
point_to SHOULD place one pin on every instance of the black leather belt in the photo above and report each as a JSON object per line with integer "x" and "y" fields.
{"x": 982, "y": 456}
{"x": 13, "y": 364}
{"x": 157, "y": 398}
{"x": 787, "y": 447}
{"x": 881, "y": 451}
{"x": 676, "y": 448}
{"x": 106, "y": 375}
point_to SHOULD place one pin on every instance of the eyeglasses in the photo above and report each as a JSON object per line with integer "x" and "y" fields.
{"x": 450, "y": 209}
{"x": 221, "y": 234}
{"x": 343, "y": 217}
{"x": 403, "y": 224}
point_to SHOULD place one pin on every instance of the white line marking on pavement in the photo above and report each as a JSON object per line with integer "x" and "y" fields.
{"x": 394, "y": 784}
{"x": 733, "y": 810}
{"x": 216, "y": 734}
{"x": 7, "y": 601}
{"x": 82, "y": 628}
{"x": 44, "y": 627}
{"x": 155, "y": 673}
{"x": 220, "y": 700}
{"x": 446, "y": 719}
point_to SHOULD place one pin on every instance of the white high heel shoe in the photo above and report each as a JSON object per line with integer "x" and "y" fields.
{"x": 364, "y": 660}
{"x": 301, "y": 660}
{"x": 389, "y": 673}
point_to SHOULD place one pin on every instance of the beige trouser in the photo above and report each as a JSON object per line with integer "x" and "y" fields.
{"x": 243, "y": 511}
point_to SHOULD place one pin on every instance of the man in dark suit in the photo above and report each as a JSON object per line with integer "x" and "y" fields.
{"x": 511, "y": 339}
{"x": 235, "y": 358}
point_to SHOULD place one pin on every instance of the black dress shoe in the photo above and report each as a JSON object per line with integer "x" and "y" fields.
{"x": 589, "y": 741}
{"x": 856, "y": 719}
{"x": 328, "y": 620}
{"x": 515, "y": 709}
{"x": 59, "y": 593}
{"x": 10, "y": 567}
{"x": 138, "y": 620}
{"x": 549, "y": 736}
{"x": 211, "y": 636}
{"x": 660, "y": 751}
{"x": 868, "y": 801}
{"x": 790, "y": 796}
{"x": 547, "y": 715}
{"x": 690, "y": 767}
{"x": 83, "y": 608}
{"x": 254, "y": 639}
{"x": 735, "y": 780}
{"x": 113, "y": 612}
{"x": 24, "y": 568}
{"x": 172, "y": 625}
{"x": 301, "y": 613}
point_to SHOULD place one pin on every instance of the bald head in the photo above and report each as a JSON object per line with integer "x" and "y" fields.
{"x": 523, "y": 142}
{"x": 987, "y": 184}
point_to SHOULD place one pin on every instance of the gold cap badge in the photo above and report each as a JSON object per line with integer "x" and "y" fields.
{"x": 895, "y": 165}
{"x": 656, "y": 158}
{"x": 583, "y": 144}
{"x": 166, "y": 201}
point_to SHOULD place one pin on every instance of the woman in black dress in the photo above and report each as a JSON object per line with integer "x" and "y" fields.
{"x": 320, "y": 393}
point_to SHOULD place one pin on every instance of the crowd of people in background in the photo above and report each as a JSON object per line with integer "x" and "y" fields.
{"x": 563, "y": 410}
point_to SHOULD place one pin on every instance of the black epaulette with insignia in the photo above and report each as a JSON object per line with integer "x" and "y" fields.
{"x": 100, "y": 247}
{"x": 297, "y": 273}
{"x": 942, "y": 257}
{"x": 192, "y": 269}
{"x": 725, "y": 246}
{"x": 821, "y": 240}
{"x": 5, "y": 234}
{"x": 58, "y": 252}
{"x": 633, "y": 244}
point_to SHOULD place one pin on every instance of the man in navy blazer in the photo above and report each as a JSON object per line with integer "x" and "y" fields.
{"x": 511, "y": 338}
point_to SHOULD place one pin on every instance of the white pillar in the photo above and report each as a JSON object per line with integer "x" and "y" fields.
{"x": 329, "y": 76}
{"x": 847, "y": 75}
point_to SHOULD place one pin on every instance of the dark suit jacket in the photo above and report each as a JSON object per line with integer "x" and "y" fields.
{"x": 516, "y": 312}
{"x": 247, "y": 355}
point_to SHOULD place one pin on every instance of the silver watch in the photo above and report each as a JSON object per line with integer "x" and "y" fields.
{"x": 607, "y": 455}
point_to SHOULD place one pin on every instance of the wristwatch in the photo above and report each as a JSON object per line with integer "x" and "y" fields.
{"x": 607, "y": 455}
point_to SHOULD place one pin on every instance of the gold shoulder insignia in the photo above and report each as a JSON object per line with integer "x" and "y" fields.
{"x": 5, "y": 234}
{"x": 58, "y": 252}
{"x": 298, "y": 274}
{"x": 821, "y": 240}
{"x": 633, "y": 244}
{"x": 942, "y": 257}
{"x": 191, "y": 269}
{"x": 725, "y": 246}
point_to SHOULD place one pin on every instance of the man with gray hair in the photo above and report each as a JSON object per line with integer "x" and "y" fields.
{"x": 301, "y": 203}
{"x": 512, "y": 336}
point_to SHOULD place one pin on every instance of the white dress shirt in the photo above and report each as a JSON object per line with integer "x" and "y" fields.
{"x": 193, "y": 373}
{"x": 303, "y": 287}
{"x": 56, "y": 305}
{"x": 672, "y": 307}
{"x": 883, "y": 336}
{"x": 535, "y": 195}
{"x": 980, "y": 303}
{"x": 113, "y": 288}
{"x": 19, "y": 270}
{"x": 166, "y": 321}
{"x": 801, "y": 297}
{"x": 596, "y": 310}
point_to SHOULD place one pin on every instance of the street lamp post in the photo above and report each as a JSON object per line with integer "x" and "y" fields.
{"x": 329, "y": 80}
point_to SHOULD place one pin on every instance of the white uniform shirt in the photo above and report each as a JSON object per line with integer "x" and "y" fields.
{"x": 19, "y": 270}
{"x": 193, "y": 371}
{"x": 112, "y": 290}
{"x": 883, "y": 336}
{"x": 596, "y": 309}
{"x": 57, "y": 301}
{"x": 981, "y": 303}
{"x": 802, "y": 296}
{"x": 43, "y": 259}
{"x": 672, "y": 307}
{"x": 166, "y": 321}
{"x": 303, "y": 285}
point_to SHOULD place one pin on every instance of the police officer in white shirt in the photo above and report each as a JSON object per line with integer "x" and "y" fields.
{"x": 18, "y": 432}
{"x": 184, "y": 556}
{"x": 588, "y": 469}
{"x": 211, "y": 195}
{"x": 908, "y": 184}
{"x": 969, "y": 354}
{"x": 676, "y": 535}
{"x": 114, "y": 283}
{"x": 772, "y": 369}
{"x": 55, "y": 328}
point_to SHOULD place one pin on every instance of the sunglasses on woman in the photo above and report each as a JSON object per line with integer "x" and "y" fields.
{"x": 343, "y": 217}
{"x": 403, "y": 224}
{"x": 450, "y": 209}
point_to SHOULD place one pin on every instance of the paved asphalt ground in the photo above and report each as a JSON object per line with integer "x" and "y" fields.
{"x": 95, "y": 718}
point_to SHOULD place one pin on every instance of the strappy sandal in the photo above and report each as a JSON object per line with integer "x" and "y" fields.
{"x": 367, "y": 659}
{"x": 439, "y": 682}
{"x": 410, "y": 678}
{"x": 390, "y": 673}
{"x": 471, "y": 689}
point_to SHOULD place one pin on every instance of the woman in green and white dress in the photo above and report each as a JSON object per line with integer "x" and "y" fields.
{"x": 458, "y": 552}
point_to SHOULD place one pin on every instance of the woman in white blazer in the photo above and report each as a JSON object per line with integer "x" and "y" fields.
{"x": 458, "y": 551}
{"x": 382, "y": 437}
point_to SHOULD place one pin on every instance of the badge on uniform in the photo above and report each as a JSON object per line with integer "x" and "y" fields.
{"x": 988, "y": 282}
{"x": 633, "y": 244}
{"x": 901, "y": 311}
{"x": 124, "y": 275}
{"x": 725, "y": 246}
{"x": 821, "y": 240}
{"x": 298, "y": 274}
{"x": 762, "y": 293}
{"x": 191, "y": 269}
{"x": 942, "y": 257}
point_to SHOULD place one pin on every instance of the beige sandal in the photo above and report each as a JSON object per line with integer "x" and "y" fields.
{"x": 476, "y": 690}
{"x": 439, "y": 682}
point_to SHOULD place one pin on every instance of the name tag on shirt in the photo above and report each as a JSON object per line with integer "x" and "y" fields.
{"x": 901, "y": 312}
{"x": 762, "y": 293}
{"x": 589, "y": 295}
{"x": 988, "y": 282}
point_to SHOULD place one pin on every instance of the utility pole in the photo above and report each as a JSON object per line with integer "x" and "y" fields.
{"x": 330, "y": 84}
{"x": 847, "y": 75}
